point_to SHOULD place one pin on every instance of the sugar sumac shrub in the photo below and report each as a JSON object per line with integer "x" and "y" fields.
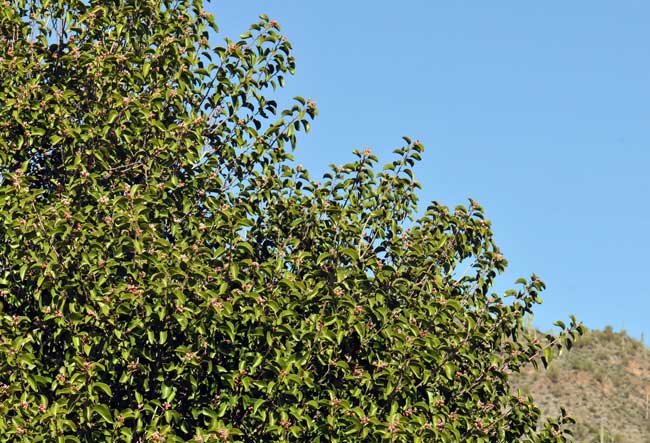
{"x": 168, "y": 274}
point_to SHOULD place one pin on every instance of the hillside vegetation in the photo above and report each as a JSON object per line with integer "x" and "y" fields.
{"x": 604, "y": 383}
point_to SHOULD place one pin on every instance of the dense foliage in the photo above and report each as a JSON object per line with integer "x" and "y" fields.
{"x": 167, "y": 273}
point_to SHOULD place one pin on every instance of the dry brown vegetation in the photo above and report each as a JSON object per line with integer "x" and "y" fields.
{"x": 604, "y": 383}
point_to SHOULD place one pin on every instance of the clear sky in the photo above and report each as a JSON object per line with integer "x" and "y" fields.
{"x": 538, "y": 110}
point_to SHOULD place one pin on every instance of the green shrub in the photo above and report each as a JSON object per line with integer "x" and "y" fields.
{"x": 581, "y": 363}
{"x": 167, "y": 273}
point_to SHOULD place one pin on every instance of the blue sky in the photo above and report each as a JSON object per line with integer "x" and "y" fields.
{"x": 538, "y": 110}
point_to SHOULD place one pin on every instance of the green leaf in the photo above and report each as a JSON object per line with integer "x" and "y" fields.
{"x": 450, "y": 370}
{"x": 166, "y": 391}
{"x": 104, "y": 412}
{"x": 102, "y": 387}
{"x": 112, "y": 115}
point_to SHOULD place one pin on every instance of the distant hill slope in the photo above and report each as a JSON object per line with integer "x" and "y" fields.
{"x": 603, "y": 382}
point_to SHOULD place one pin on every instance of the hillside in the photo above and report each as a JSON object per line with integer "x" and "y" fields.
{"x": 604, "y": 383}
